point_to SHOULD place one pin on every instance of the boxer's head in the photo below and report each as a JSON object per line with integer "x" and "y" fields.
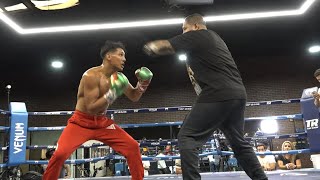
{"x": 193, "y": 22}
{"x": 113, "y": 53}
{"x": 111, "y": 47}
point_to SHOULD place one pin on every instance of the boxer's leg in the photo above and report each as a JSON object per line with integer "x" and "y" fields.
{"x": 123, "y": 143}
{"x": 71, "y": 138}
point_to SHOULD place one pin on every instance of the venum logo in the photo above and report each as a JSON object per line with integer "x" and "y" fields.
{"x": 312, "y": 124}
{"x": 19, "y": 137}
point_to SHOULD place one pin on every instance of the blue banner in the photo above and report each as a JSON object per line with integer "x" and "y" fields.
{"x": 18, "y": 133}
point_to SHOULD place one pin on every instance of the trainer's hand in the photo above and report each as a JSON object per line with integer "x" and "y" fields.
{"x": 315, "y": 95}
{"x": 149, "y": 49}
{"x": 118, "y": 83}
{"x": 144, "y": 76}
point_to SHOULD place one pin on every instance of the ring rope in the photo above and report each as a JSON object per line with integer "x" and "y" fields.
{"x": 161, "y": 109}
{"x": 154, "y": 158}
{"x": 178, "y": 123}
{"x": 170, "y": 142}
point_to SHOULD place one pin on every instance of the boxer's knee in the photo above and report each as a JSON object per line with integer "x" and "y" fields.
{"x": 133, "y": 148}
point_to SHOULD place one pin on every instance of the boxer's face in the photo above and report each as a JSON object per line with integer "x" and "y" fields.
{"x": 117, "y": 58}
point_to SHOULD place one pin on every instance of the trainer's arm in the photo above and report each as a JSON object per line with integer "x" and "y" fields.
{"x": 158, "y": 47}
{"x": 133, "y": 93}
{"x": 94, "y": 103}
{"x": 317, "y": 102}
{"x": 316, "y": 97}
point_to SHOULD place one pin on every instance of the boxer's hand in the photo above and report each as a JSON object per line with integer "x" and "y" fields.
{"x": 118, "y": 83}
{"x": 144, "y": 76}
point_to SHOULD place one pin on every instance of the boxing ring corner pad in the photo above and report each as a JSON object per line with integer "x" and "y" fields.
{"x": 310, "y": 118}
{"x": 18, "y": 133}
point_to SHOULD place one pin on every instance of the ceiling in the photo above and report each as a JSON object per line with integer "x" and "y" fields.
{"x": 28, "y": 56}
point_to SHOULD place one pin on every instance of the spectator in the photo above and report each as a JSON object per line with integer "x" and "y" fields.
{"x": 145, "y": 163}
{"x": 267, "y": 162}
{"x": 288, "y": 161}
{"x": 162, "y": 166}
{"x": 177, "y": 166}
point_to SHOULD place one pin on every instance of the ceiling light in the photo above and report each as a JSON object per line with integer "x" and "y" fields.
{"x": 304, "y": 7}
{"x": 269, "y": 126}
{"x": 314, "y": 49}
{"x": 182, "y": 57}
{"x": 55, "y": 4}
{"x": 16, "y": 7}
{"x": 57, "y": 64}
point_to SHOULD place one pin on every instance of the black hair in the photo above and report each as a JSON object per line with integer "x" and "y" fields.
{"x": 261, "y": 144}
{"x": 195, "y": 19}
{"x": 317, "y": 73}
{"x": 49, "y": 153}
{"x": 110, "y": 46}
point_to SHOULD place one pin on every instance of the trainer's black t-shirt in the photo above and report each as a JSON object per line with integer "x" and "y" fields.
{"x": 212, "y": 64}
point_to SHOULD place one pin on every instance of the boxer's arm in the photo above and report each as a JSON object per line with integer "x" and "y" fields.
{"x": 94, "y": 103}
{"x": 158, "y": 47}
{"x": 133, "y": 93}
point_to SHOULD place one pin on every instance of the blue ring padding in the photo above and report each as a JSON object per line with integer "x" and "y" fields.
{"x": 149, "y": 144}
{"x": 75, "y": 161}
{"x": 170, "y": 142}
{"x": 161, "y": 109}
{"x": 4, "y": 128}
{"x": 4, "y": 148}
{"x": 297, "y": 135}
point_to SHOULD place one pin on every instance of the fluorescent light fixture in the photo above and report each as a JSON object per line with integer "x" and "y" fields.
{"x": 90, "y": 27}
{"x": 16, "y": 7}
{"x": 314, "y": 49}
{"x": 57, "y": 64}
{"x": 269, "y": 126}
{"x": 55, "y": 4}
{"x": 47, "y": 3}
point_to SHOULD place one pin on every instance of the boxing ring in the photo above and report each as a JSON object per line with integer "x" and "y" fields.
{"x": 19, "y": 127}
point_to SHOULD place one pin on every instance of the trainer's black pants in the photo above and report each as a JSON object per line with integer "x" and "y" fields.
{"x": 199, "y": 125}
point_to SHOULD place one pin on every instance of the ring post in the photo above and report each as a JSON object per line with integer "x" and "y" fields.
{"x": 18, "y": 133}
{"x": 311, "y": 118}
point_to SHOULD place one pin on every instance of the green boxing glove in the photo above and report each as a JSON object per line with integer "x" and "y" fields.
{"x": 144, "y": 76}
{"x": 118, "y": 83}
